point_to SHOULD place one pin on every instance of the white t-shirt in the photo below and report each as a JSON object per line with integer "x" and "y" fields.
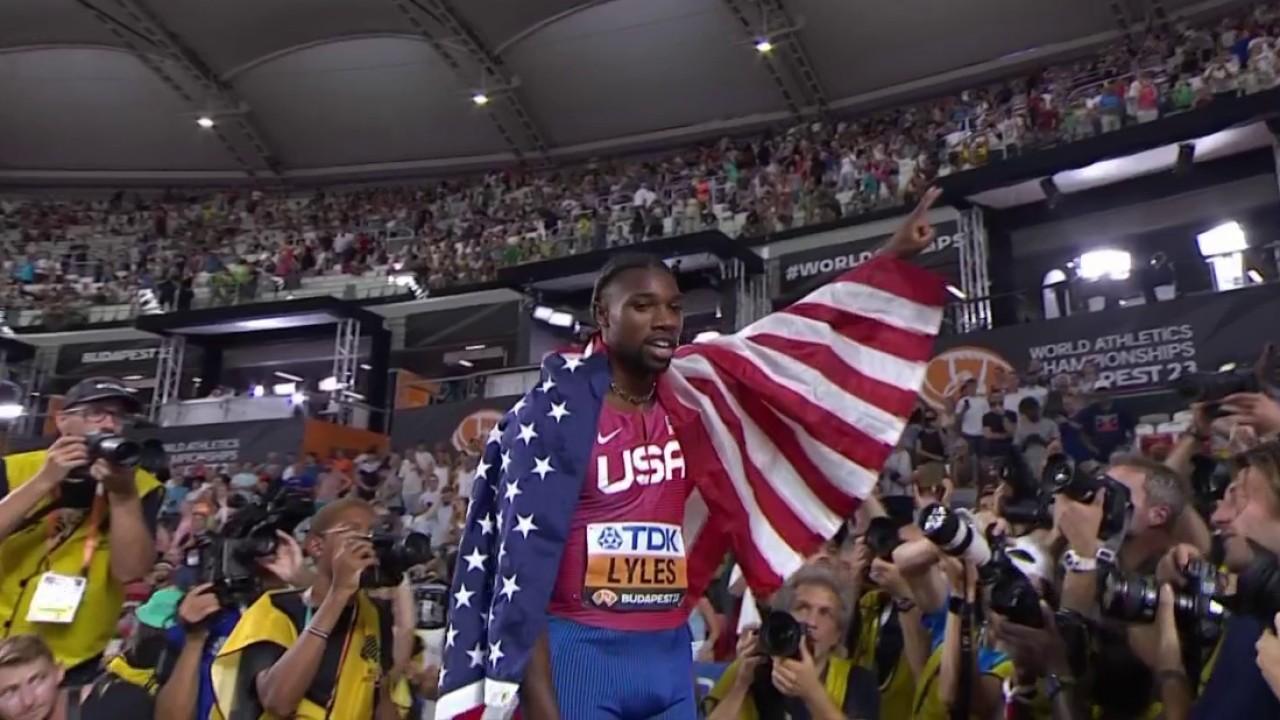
{"x": 970, "y": 411}
{"x": 1012, "y": 399}
{"x": 410, "y": 483}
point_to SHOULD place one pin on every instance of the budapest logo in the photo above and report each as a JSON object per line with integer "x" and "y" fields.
{"x": 473, "y": 430}
{"x": 951, "y": 369}
{"x": 604, "y": 597}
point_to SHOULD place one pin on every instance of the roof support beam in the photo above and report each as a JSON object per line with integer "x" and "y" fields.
{"x": 751, "y": 31}
{"x": 459, "y": 32}
{"x": 799, "y": 55}
{"x": 141, "y": 30}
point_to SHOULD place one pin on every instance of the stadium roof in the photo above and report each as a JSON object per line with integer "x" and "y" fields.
{"x": 110, "y": 90}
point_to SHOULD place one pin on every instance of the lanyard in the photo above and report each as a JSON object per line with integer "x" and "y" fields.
{"x": 91, "y": 537}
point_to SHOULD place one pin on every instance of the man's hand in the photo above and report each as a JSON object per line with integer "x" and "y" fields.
{"x": 287, "y": 562}
{"x": 1269, "y": 656}
{"x": 66, "y": 453}
{"x": 1256, "y": 410}
{"x": 198, "y": 605}
{"x": 861, "y": 559}
{"x": 1079, "y": 522}
{"x": 798, "y": 677}
{"x": 1171, "y": 568}
{"x": 355, "y": 555}
{"x": 749, "y": 657}
{"x": 1035, "y": 651}
{"x": 117, "y": 480}
{"x": 887, "y": 576}
{"x": 916, "y": 232}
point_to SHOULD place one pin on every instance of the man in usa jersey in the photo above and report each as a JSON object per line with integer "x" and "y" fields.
{"x": 608, "y": 495}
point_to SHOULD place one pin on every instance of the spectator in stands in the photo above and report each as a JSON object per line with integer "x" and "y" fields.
{"x": 970, "y": 407}
{"x": 79, "y": 527}
{"x": 1105, "y": 427}
{"x": 1034, "y": 435}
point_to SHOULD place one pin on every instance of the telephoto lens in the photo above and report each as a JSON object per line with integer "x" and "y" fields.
{"x": 780, "y": 634}
{"x": 954, "y": 534}
{"x": 1136, "y": 599}
{"x": 116, "y": 449}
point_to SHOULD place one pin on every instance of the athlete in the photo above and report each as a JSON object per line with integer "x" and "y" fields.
{"x": 606, "y": 660}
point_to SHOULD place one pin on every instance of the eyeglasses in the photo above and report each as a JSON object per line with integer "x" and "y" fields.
{"x": 98, "y": 414}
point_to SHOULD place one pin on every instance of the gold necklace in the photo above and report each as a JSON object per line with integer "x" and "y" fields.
{"x": 633, "y": 399}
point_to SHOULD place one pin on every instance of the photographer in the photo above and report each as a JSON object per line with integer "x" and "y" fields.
{"x": 287, "y": 656}
{"x": 77, "y": 522}
{"x": 1247, "y": 516}
{"x": 812, "y": 682}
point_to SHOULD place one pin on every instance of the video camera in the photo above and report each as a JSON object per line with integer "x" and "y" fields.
{"x": 228, "y": 559}
{"x": 115, "y": 449}
{"x": 1011, "y": 592}
{"x": 1063, "y": 476}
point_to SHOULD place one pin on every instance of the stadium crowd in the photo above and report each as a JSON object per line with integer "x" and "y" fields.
{"x": 240, "y": 244}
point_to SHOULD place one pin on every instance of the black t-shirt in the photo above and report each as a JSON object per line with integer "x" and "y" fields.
{"x": 261, "y": 656}
{"x": 110, "y": 698}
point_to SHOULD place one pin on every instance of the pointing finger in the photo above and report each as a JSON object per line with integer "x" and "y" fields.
{"x": 926, "y": 201}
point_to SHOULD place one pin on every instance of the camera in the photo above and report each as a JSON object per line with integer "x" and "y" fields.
{"x": 115, "y": 449}
{"x": 1027, "y": 504}
{"x": 781, "y": 634}
{"x": 228, "y": 560}
{"x": 1062, "y": 476}
{"x": 881, "y": 537}
{"x": 432, "y": 601}
{"x": 1011, "y": 592}
{"x": 1211, "y": 387}
{"x": 395, "y": 557}
{"x": 1136, "y": 598}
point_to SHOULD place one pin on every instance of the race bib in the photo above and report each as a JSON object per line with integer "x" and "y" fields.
{"x": 635, "y": 566}
{"x": 57, "y": 598}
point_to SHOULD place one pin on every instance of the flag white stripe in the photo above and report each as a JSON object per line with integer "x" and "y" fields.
{"x": 775, "y": 466}
{"x": 848, "y": 476}
{"x": 467, "y": 697}
{"x": 882, "y": 305}
{"x": 876, "y": 364}
{"x": 813, "y": 387}
{"x": 779, "y": 555}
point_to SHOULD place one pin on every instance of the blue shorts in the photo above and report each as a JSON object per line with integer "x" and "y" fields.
{"x": 603, "y": 674}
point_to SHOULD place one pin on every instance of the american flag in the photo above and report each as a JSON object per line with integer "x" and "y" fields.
{"x": 784, "y": 427}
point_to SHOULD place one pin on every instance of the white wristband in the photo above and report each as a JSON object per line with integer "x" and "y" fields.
{"x": 1074, "y": 563}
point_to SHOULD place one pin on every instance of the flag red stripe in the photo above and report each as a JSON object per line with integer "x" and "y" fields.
{"x": 826, "y": 427}
{"x": 823, "y": 359}
{"x": 784, "y": 438}
{"x": 725, "y": 512}
{"x": 867, "y": 331}
{"x": 778, "y": 511}
{"x": 900, "y": 278}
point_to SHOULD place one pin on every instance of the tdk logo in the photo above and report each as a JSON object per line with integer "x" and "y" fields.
{"x": 638, "y": 538}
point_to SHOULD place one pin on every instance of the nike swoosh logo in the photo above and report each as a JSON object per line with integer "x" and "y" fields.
{"x": 604, "y": 439}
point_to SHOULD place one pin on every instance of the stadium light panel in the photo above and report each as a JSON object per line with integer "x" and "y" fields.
{"x": 763, "y": 46}
{"x": 284, "y": 388}
{"x": 1226, "y": 238}
{"x": 258, "y": 391}
{"x": 287, "y": 376}
{"x": 561, "y": 319}
{"x": 1114, "y": 264}
{"x": 957, "y": 292}
{"x": 206, "y": 122}
{"x": 542, "y": 312}
{"x": 328, "y": 384}
{"x": 1255, "y": 276}
{"x": 10, "y": 411}
{"x": 480, "y": 99}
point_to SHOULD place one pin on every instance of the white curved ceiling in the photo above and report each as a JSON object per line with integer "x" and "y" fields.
{"x": 353, "y": 87}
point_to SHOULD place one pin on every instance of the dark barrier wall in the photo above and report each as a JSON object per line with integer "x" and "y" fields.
{"x": 221, "y": 446}
{"x": 459, "y": 425}
{"x": 1136, "y": 349}
{"x": 806, "y": 269}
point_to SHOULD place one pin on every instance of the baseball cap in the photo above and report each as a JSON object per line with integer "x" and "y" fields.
{"x": 160, "y": 611}
{"x": 100, "y": 388}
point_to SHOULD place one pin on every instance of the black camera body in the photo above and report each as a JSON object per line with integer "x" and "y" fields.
{"x": 1027, "y": 504}
{"x": 395, "y": 557}
{"x": 115, "y": 449}
{"x": 781, "y": 634}
{"x": 881, "y": 537}
{"x": 229, "y": 559}
{"x": 1211, "y": 387}
{"x": 1062, "y": 476}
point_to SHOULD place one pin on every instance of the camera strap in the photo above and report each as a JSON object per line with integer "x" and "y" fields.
{"x": 964, "y": 688}
{"x": 92, "y": 537}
